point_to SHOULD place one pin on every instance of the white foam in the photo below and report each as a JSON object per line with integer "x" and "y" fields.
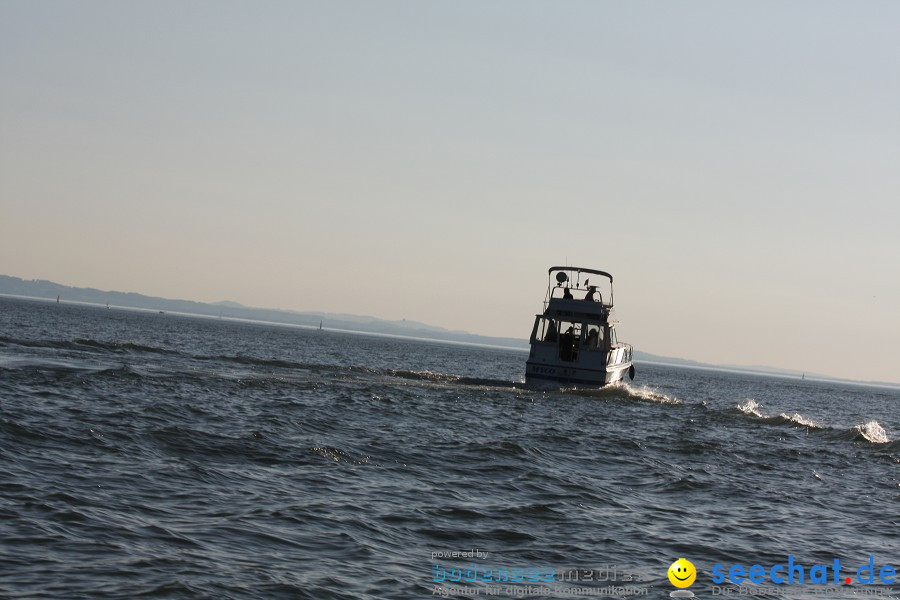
{"x": 873, "y": 432}
{"x": 750, "y": 407}
{"x": 645, "y": 393}
{"x": 800, "y": 420}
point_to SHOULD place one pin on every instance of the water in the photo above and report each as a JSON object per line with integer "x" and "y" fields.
{"x": 163, "y": 456}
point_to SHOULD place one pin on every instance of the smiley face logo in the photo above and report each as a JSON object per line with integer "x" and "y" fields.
{"x": 682, "y": 573}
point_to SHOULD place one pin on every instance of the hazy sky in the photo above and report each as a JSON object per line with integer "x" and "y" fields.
{"x": 736, "y": 165}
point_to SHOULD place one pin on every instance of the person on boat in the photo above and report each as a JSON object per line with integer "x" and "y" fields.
{"x": 592, "y": 336}
{"x": 567, "y": 295}
{"x": 567, "y": 345}
{"x": 590, "y": 295}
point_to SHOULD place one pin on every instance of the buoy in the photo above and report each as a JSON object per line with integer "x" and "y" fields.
{"x": 631, "y": 372}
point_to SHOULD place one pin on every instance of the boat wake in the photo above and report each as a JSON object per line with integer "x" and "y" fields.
{"x": 449, "y": 378}
{"x": 624, "y": 391}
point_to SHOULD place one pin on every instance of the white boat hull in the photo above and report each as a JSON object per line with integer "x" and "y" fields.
{"x": 546, "y": 375}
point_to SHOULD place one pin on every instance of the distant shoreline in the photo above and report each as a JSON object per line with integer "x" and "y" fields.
{"x": 231, "y": 319}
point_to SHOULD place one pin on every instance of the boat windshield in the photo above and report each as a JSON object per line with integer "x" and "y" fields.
{"x": 569, "y": 333}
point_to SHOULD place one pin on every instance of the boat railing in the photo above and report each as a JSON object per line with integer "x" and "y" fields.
{"x": 576, "y": 307}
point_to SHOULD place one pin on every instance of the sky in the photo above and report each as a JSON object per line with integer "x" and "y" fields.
{"x": 735, "y": 165}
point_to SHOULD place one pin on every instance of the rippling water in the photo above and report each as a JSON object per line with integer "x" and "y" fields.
{"x": 166, "y": 456}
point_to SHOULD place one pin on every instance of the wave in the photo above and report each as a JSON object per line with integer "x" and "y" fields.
{"x": 266, "y": 362}
{"x": 120, "y": 348}
{"x": 337, "y": 455}
{"x": 643, "y": 392}
{"x": 86, "y": 344}
{"x": 751, "y": 408}
{"x": 123, "y": 347}
{"x": 425, "y": 376}
{"x": 448, "y": 378}
{"x": 871, "y": 432}
{"x": 63, "y": 368}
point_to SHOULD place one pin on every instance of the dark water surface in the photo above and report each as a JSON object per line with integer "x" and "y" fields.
{"x": 162, "y": 456}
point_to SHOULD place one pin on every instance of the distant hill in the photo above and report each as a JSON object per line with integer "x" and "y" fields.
{"x": 684, "y": 362}
{"x": 38, "y": 288}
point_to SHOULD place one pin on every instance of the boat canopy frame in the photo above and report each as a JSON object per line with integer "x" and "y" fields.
{"x": 578, "y": 271}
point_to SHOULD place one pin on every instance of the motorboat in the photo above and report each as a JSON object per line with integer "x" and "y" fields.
{"x": 573, "y": 342}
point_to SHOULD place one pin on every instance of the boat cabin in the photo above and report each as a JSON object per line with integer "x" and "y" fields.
{"x": 574, "y": 339}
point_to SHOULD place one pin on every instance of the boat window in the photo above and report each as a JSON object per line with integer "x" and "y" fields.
{"x": 546, "y": 331}
{"x": 550, "y": 330}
